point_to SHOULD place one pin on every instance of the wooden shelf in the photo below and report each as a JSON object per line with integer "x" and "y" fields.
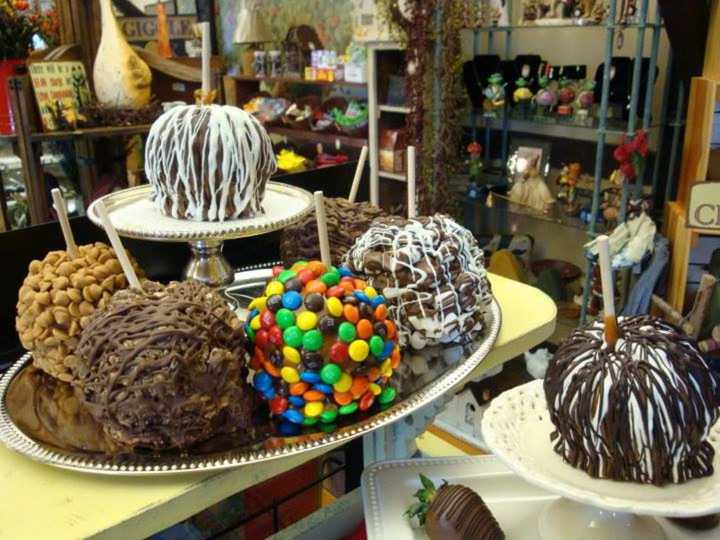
{"x": 398, "y": 177}
{"x": 318, "y": 136}
{"x": 394, "y": 109}
{"x": 92, "y": 133}
{"x": 292, "y": 80}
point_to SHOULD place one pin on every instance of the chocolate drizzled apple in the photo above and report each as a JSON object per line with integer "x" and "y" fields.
{"x": 453, "y": 512}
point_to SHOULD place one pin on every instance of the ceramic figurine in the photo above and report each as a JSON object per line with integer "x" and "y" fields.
{"x": 584, "y": 101}
{"x": 531, "y": 190}
{"x": 566, "y": 95}
{"x": 522, "y": 96}
{"x": 121, "y": 78}
{"x": 494, "y": 94}
{"x": 546, "y": 98}
{"x": 568, "y": 180}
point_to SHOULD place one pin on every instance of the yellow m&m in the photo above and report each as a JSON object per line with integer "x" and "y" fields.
{"x": 314, "y": 408}
{"x": 307, "y": 320}
{"x": 289, "y": 374}
{"x": 334, "y": 306}
{"x": 344, "y": 384}
{"x": 274, "y": 287}
{"x": 291, "y": 354}
{"x": 359, "y": 350}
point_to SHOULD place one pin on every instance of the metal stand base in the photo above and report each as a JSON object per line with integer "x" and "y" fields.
{"x": 208, "y": 265}
{"x": 568, "y": 520}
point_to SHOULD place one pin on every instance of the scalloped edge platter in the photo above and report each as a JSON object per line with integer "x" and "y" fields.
{"x": 14, "y": 438}
{"x": 134, "y": 215}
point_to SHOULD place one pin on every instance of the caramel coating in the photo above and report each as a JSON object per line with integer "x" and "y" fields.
{"x": 56, "y": 298}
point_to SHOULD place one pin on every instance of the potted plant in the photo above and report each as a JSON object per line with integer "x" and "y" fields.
{"x": 20, "y": 24}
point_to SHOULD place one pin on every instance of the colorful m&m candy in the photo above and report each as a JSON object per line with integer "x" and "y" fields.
{"x": 323, "y": 346}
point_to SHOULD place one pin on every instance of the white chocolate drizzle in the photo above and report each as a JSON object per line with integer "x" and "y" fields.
{"x": 641, "y": 411}
{"x": 431, "y": 272}
{"x": 208, "y": 163}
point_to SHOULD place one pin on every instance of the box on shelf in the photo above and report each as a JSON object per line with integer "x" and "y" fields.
{"x": 392, "y": 150}
{"x": 356, "y": 73}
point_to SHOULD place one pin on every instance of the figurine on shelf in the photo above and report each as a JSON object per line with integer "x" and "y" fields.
{"x": 522, "y": 96}
{"x": 531, "y": 190}
{"x": 610, "y": 205}
{"x": 566, "y": 95}
{"x": 546, "y": 98}
{"x": 568, "y": 180}
{"x": 474, "y": 150}
{"x": 584, "y": 102}
{"x": 494, "y": 94}
{"x": 475, "y": 165}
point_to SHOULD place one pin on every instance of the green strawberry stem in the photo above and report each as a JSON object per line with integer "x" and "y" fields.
{"x": 425, "y": 496}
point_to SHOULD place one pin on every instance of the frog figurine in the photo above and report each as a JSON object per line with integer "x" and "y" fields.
{"x": 584, "y": 102}
{"x": 566, "y": 95}
{"x": 546, "y": 97}
{"x": 522, "y": 96}
{"x": 494, "y": 95}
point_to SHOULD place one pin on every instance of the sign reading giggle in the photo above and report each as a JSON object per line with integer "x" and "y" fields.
{"x": 704, "y": 206}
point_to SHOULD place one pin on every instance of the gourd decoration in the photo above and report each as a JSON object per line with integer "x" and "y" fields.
{"x": 121, "y": 78}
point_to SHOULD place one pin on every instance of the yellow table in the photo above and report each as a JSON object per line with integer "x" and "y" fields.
{"x": 38, "y": 501}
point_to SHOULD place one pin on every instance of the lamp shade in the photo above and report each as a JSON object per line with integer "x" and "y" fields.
{"x": 251, "y": 27}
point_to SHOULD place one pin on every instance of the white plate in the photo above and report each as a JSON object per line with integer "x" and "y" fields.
{"x": 517, "y": 429}
{"x": 388, "y": 487}
{"x": 134, "y": 215}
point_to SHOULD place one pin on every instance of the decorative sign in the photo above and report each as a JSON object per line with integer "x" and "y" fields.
{"x": 61, "y": 89}
{"x": 145, "y": 28}
{"x": 704, "y": 206}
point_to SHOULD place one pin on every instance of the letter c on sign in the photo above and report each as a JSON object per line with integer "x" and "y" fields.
{"x": 698, "y": 212}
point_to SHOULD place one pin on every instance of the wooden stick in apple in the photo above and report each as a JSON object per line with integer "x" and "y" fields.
{"x": 322, "y": 229}
{"x": 612, "y": 333}
{"x": 412, "y": 200}
{"x": 120, "y": 252}
{"x": 358, "y": 174}
{"x": 61, "y": 209}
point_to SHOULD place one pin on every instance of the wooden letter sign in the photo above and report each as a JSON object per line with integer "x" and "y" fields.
{"x": 704, "y": 206}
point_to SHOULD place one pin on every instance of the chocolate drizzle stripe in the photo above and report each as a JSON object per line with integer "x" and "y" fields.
{"x": 641, "y": 412}
{"x": 431, "y": 271}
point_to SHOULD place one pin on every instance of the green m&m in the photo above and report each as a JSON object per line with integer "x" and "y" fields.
{"x": 284, "y": 318}
{"x": 376, "y": 345}
{"x": 330, "y": 373}
{"x": 387, "y": 395}
{"x": 293, "y": 336}
{"x": 312, "y": 340}
{"x": 286, "y": 275}
{"x": 349, "y": 408}
{"x": 347, "y": 332}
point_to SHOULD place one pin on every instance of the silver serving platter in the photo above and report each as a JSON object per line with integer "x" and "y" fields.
{"x": 134, "y": 215}
{"x": 247, "y": 285}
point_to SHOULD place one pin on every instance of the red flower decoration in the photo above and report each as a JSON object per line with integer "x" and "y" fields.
{"x": 628, "y": 170}
{"x": 474, "y": 149}
{"x": 621, "y": 154}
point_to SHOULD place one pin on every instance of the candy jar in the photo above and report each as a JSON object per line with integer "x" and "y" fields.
{"x": 494, "y": 95}
{"x": 566, "y": 95}
{"x": 546, "y": 98}
{"x": 323, "y": 346}
{"x": 522, "y": 96}
{"x": 584, "y": 102}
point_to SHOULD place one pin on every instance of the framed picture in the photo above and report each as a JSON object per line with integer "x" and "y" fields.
{"x": 524, "y": 153}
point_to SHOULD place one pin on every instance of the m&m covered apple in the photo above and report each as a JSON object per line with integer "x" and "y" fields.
{"x": 322, "y": 345}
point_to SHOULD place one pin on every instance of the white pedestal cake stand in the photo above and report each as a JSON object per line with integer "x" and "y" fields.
{"x": 517, "y": 429}
{"x": 134, "y": 215}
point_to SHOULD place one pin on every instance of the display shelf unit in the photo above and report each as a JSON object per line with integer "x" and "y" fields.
{"x": 294, "y": 80}
{"x": 376, "y": 107}
{"x": 318, "y": 136}
{"x": 604, "y": 131}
